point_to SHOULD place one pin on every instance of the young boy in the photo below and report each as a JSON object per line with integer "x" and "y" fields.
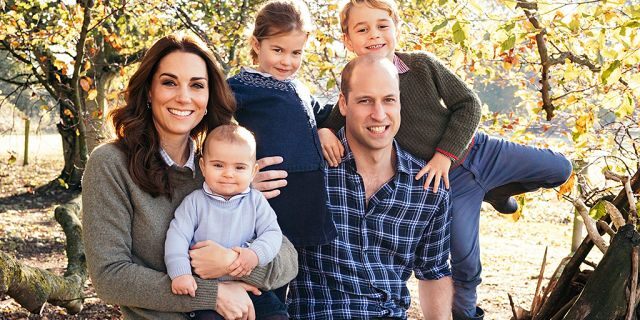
{"x": 440, "y": 115}
{"x": 227, "y": 211}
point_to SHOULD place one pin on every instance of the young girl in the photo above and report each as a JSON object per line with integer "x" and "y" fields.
{"x": 282, "y": 114}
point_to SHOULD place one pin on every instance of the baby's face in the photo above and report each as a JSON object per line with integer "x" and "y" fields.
{"x": 228, "y": 168}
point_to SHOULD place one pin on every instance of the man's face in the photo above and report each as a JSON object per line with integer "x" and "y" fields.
{"x": 372, "y": 109}
{"x": 370, "y": 31}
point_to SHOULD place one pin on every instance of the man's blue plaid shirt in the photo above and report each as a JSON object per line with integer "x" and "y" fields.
{"x": 363, "y": 272}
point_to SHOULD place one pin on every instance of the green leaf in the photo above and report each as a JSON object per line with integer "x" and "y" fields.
{"x": 598, "y": 211}
{"x": 508, "y": 44}
{"x": 440, "y": 26}
{"x": 606, "y": 73}
{"x": 331, "y": 83}
{"x": 458, "y": 33}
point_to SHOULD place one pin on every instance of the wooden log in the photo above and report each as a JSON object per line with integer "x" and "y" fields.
{"x": 33, "y": 287}
{"x": 604, "y": 297}
{"x": 559, "y": 296}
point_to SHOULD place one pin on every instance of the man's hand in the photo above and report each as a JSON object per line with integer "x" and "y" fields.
{"x": 332, "y": 148}
{"x": 184, "y": 284}
{"x": 211, "y": 260}
{"x": 244, "y": 263}
{"x": 233, "y": 302}
{"x": 438, "y": 168}
{"x": 269, "y": 181}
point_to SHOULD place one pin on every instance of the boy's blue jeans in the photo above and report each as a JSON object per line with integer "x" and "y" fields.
{"x": 491, "y": 163}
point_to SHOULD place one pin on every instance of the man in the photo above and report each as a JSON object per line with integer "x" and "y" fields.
{"x": 388, "y": 225}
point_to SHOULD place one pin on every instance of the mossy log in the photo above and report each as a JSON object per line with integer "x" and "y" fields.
{"x": 33, "y": 287}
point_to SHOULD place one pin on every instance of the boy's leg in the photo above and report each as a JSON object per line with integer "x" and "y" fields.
{"x": 268, "y": 306}
{"x": 466, "y": 199}
{"x": 490, "y": 164}
{"x": 509, "y": 168}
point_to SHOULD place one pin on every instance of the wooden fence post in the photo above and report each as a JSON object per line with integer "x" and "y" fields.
{"x": 26, "y": 142}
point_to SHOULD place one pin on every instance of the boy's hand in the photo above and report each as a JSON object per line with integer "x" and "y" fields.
{"x": 244, "y": 263}
{"x": 332, "y": 149}
{"x": 438, "y": 168}
{"x": 184, "y": 284}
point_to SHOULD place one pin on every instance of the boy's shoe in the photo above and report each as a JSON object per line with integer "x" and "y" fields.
{"x": 501, "y": 197}
{"x": 504, "y": 205}
{"x": 479, "y": 315}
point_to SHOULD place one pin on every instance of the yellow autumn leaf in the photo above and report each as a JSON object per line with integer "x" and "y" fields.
{"x": 567, "y": 187}
{"x": 92, "y": 94}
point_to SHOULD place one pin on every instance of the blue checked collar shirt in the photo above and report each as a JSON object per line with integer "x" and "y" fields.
{"x": 363, "y": 272}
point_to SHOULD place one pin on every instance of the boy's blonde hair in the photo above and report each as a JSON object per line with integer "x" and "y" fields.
{"x": 230, "y": 133}
{"x": 387, "y": 5}
{"x": 278, "y": 17}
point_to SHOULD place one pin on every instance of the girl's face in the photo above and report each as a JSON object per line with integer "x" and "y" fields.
{"x": 179, "y": 94}
{"x": 280, "y": 56}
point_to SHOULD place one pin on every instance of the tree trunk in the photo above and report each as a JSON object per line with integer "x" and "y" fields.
{"x": 74, "y": 148}
{"x": 604, "y": 295}
{"x": 97, "y": 111}
{"x": 32, "y": 287}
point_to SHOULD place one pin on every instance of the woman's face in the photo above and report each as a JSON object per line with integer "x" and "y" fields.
{"x": 179, "y": 94}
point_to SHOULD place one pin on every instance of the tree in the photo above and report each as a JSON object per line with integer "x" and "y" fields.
{"x": 74, "y": 52}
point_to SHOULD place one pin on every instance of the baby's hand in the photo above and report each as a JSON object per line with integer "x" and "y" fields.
{"x": 332, "y": 148}
{"x": 184, "y": 284}
{"x": 438, "y": 168}
{"x": 244, "y": 263}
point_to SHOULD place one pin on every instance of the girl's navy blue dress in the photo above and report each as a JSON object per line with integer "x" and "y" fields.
{"x": 283, "y": 117}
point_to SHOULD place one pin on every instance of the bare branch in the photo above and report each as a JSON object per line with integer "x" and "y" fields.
{"x": 590, "y": 225}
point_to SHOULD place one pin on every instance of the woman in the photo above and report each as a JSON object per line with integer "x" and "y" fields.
{"x": 132, "y": 186}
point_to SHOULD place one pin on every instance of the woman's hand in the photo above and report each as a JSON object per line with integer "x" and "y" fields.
{"x": 269, "y": 181}
{"x": 233, "y": 302}
{"x": 211, "y": 260}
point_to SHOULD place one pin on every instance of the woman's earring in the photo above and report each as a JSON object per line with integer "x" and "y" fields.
{"x": 205, "y": 112}
{"x": 148, "y": 105}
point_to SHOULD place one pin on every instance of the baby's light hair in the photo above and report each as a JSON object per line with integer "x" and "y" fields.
{"x": 387, "y": 5}
{"x": 231, "y": 133}
{"x": 278, "y": 17}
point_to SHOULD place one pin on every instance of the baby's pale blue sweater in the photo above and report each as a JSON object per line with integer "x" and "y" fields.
{"x": 230, "y": 223}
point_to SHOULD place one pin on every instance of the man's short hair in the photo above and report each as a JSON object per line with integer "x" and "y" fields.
{"x": 387, "y": 5}
{"x": 367, "y": 60}
{"x": 230, "y": 133}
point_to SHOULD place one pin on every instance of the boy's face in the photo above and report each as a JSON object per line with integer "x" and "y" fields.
{"x": 280, "y": 56}
{"x": 228, "y": 168}
{"x": 370, "y": 31}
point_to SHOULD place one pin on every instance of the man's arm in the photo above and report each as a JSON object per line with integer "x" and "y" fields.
{"x": 436, "y": 298}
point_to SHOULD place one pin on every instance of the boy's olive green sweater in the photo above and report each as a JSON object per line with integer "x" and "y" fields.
{"x": 438, "y": 111}
{"x": 124, "y": 231}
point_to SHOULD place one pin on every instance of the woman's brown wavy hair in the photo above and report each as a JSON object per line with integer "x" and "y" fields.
{"x": 135, "y": 131}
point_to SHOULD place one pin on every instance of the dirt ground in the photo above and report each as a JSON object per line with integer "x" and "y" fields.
{"x": 511, "y": 251}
